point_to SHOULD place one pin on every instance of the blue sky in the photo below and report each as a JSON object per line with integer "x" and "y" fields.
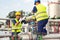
{"x": 7, "y": 6}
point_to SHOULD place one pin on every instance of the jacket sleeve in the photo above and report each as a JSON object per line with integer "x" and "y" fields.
{"x": 13, "y": 21}
{"x": 34, "y": 9}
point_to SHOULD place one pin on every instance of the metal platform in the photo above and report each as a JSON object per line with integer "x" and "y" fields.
{"x": 52, "y": 37}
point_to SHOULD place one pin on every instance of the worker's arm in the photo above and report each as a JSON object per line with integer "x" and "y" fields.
{"x": 15, "y": 23}
{"x": 34, "y": 10}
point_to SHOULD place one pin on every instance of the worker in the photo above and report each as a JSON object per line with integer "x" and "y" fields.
{"x": 41, "y": 16}
{"x": 16, "y": 24}
{"x": 8, "y": 24}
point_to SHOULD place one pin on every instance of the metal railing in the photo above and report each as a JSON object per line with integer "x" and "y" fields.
{"x": 53, "y": 27}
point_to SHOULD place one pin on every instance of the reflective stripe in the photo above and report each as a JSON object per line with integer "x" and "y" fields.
{"x": 38, "y": 19}
{"x": 16, "y": 31}
{"x": 40, "y": 12}
{"x": 42, "y": 16}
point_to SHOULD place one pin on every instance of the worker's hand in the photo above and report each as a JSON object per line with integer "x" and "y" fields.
{"x": 17, "y": 23}
{"x": 22, "y": 19}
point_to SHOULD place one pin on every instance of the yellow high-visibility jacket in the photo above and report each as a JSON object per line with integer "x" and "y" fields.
{"x": 41, "y": 13}
{"x": 19, "y": 26}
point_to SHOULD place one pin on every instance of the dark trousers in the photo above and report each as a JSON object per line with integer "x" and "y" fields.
{"x": 41, "y": 25}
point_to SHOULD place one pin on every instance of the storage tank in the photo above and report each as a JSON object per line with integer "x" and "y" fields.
{"x": 54, "y": 8}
